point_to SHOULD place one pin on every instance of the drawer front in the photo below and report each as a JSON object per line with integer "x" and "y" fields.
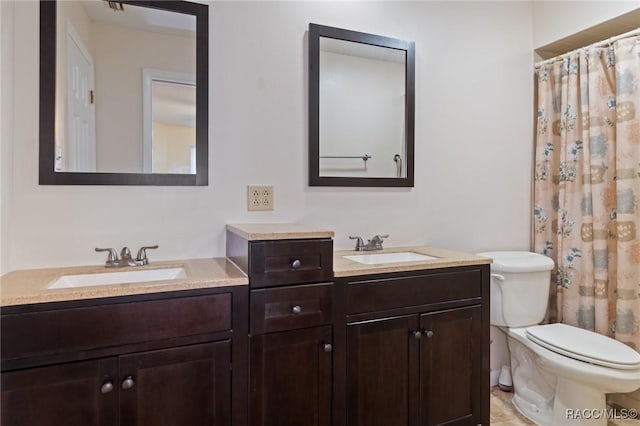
{"x": 276, "y": 263}
{"x": 393, "y": 293}
{"x": 289, "y": 308}
{"x": 86, "y": 328}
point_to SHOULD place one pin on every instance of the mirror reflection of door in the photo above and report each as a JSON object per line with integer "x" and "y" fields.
{"x": 79, "y": 155}
{"x": 120, "y": 44}
{"x": 169, "y": 118}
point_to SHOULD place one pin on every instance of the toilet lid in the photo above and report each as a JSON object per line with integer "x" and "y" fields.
{"x": 584, "y": 345}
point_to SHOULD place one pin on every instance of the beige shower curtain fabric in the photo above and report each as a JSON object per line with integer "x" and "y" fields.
{"x": 587, "y": 187}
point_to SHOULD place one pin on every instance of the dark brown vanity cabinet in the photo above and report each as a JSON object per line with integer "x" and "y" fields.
{"x": 186, "y": 385}
{"x": 291, "y": 329}
{"x": 290, "y": 377}
{"x": 416, "y": 348}
{"x": 291, "y": 355}
{"x": 60, "y": 394}
{"x": 134, "y": 361}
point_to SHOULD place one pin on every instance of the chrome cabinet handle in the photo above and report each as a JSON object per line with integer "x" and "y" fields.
{"x": 127, "y": 383}
{"x": 106, "y": 387}
{"x": 296, "y": 263}
{"x": 296, "y": 309}
{"x": 429, "y": 334}
{"x": 416, "y": 334}
{"x": 327, "y": 347}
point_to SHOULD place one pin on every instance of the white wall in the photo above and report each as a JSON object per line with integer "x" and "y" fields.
{"x": 6, "y": 128}
{"x": 473, "y": 139}
{"x": 172, "y": 147}
{"x": 361, "y": 112}
{"x": 555, "y": 20}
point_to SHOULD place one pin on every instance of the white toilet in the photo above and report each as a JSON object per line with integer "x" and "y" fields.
{"x": 560, "y": 373}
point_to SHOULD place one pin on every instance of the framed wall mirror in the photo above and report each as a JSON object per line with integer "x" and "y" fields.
{"x": 361, "y": 109}
{"x": 123, "y": 93}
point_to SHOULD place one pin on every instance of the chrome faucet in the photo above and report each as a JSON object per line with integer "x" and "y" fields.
{"x": 125, "y": 257}
{"x": 374, "y": 243}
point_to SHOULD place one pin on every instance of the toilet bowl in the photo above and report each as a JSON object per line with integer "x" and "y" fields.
{"x": 560, "y": 373}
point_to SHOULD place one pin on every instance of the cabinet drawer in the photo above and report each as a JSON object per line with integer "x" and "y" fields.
{"x": 275, "y": 263}
{"x": 93, "y": 327}
{"x": 399, "y": 292}
{"x": 289, "y": 308}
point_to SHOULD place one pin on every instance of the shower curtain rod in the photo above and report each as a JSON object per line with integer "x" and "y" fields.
{"x": 596, "y": 44}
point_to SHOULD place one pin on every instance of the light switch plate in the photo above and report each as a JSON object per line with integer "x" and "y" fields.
{"x": 259, "y": 197}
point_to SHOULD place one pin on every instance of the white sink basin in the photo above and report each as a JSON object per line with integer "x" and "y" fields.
{"x": 117, "y": 277}
{"x": 381, "y": 258}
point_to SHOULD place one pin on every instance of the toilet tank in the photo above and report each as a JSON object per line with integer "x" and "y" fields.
{"x": 520, "y": 283}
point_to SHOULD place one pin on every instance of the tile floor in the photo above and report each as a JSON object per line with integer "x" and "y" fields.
{"x": 502, "y": 410}
{"x": 504, "y": 413}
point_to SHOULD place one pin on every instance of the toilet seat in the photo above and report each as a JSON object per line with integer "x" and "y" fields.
{"x": 584, "y": 345}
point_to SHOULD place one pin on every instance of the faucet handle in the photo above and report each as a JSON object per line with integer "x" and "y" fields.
{"x": 113, "y": 256}
{"x": 142, "y": 254}
{"x": 359, "y": 242}
{"x": 376, "y": 241}
{"x": 125, "y": 253}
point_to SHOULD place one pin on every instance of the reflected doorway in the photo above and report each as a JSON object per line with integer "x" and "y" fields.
{"x": 169, "y": 116}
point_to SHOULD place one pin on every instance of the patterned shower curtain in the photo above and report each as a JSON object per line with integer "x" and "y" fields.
{"x": 587, "y": 187}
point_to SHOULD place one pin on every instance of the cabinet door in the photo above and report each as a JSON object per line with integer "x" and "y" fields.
{"x": 450, "y": 367}
{"x": 79, "y": 393}
{"x": 189, "y": 385}
{"x": 382, "y": 366}
{"x": 290, "y": 378}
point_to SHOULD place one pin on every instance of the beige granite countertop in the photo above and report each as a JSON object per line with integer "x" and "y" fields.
{"x": 30, "y": 286}
{"x": 446, "y": 258}
{"x": 277, "y": 231}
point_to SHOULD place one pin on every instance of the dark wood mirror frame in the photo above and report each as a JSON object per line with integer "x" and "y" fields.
{"x": 48, "y": 111}
{"x": 315, "y": 32}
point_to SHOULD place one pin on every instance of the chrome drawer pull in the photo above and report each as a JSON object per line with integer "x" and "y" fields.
{"x": 296, "y": 263}
{"x": 127, "y": 383}
{"x": 296, "y": 309}
{"x": 327, "y": 347}
{"x": 106, "y": 387}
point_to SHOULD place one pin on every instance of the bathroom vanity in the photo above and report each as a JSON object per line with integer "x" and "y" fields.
{"x": 397, "y": 343}
{"x": 159, "y": 357}
{"x": 413, "y": 347}
{"x": 290, "y": 271}
{"x": 315, "y": 338}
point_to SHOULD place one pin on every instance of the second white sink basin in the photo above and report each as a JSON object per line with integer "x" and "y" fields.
{"x": 117, "y": 277}
{"x": 381, "y": 258}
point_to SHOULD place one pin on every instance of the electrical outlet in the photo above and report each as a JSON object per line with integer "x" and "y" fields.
{"x": 259, "y": 197}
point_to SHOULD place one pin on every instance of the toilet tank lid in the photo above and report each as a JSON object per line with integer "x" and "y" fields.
{"x": 518, "y": 261}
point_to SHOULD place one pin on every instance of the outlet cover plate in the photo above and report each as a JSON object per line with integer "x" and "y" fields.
{"x": 259, "y": 197}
